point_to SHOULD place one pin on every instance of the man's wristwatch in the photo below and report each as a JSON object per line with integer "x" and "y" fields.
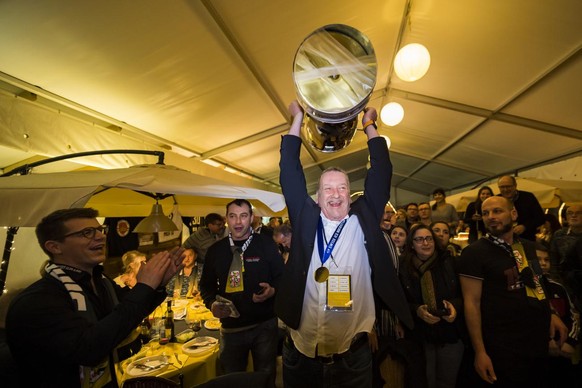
{"x": 368, "y": 123}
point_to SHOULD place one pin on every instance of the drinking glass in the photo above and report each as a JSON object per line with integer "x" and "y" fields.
{"x": 196, "y": 325}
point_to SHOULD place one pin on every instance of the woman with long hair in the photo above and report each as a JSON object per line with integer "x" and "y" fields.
{"x": 431, "y": 285}
{"x": 473, "y": 216}
{"x": 131, "y": 260}
{"x": 548, "y": 228}
{"x": 398, "y": 236}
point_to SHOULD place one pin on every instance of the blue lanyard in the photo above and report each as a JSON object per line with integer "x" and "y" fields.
{"x": 324, "y": 255}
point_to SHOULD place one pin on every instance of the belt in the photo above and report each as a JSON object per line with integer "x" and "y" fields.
{"x": 359, "y": 340}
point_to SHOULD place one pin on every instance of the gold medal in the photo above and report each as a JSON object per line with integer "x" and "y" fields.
{"x": 321, "y": 274}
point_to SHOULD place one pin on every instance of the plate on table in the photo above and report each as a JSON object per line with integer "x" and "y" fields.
{"x": 199, "y": 346}
{"x": 198, "y": 307}
{"x": 212, "y": 324}
{"x": 185, "y": 336}
{"x": 148, "y": 366}
{"x": 179, "y": 313}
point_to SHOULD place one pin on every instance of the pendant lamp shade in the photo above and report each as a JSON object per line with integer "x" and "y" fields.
{"x": 412, "y": 62}
{"x": 156, "y": 222}
{"x": 392, "y": 114}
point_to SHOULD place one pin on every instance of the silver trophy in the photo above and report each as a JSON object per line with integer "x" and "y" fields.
{"x": 334, "y": 72}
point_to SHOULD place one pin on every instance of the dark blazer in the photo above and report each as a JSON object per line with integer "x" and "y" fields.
{"x": 304, "y": 214}
{"x": 529, "y": 213}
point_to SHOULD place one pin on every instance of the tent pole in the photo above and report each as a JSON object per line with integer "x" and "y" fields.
{"x": 25, "y": 169}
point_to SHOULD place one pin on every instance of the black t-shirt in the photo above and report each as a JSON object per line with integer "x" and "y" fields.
{"x": 511, "y": 321}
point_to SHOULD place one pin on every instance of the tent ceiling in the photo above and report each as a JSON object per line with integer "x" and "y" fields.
{"x": 214, "y": 77}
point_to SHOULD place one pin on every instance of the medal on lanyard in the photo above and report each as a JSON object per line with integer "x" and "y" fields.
{"x": 322, "y": 273}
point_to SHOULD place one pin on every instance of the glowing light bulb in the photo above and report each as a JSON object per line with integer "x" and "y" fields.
{"x": 392, "y": 114}
{"x": 412, "y": 62}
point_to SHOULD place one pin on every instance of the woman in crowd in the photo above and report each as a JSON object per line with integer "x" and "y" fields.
{"x": 443, "y": 211}
{"x": 131, "y": 260}
{"x": 547, "y": 230}
{"x": 443, "y": 235}
{"x": 433, "y": 293}
{"x": 398, "y": 236}
{"x": 183, "y": 284}
{"x": 473, "y": 216}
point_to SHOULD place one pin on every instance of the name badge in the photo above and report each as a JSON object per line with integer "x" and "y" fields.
{"x": 339, "y": 293}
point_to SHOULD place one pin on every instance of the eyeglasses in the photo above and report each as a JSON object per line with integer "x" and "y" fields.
{"x": 88, "y": 233}
{"x": 420, "y": 240}
{"x": 571, "y": 214}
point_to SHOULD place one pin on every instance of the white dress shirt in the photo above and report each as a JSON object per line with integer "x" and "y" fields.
{"x": 324, "y": 332}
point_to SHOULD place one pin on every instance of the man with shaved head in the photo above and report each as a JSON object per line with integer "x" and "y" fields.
{"x": 530, "y": 214}
{"x": 506, "y": 310}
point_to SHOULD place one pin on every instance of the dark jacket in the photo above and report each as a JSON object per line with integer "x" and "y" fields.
{"x": 529, "y": 214}
{"x": 47, "y": 334}
{"x": 474, "y": 226}
{"x": 304, "y": 214}
{"x": 263, "y": 263}
{"x": 446, "y": 286}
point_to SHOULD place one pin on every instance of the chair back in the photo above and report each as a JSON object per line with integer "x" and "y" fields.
{"x": 150, "y": 382}
{"x": 238, "y": 380}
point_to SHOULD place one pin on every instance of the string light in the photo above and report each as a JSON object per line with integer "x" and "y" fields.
{"x": 8, "y": 248}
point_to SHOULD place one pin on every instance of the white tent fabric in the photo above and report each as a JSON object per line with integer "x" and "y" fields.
{"x": 550, "y": 193}
{"x": 28, "y": 198}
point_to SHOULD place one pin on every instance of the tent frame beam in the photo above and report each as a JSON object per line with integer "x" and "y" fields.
{"x": 26, "y": 168}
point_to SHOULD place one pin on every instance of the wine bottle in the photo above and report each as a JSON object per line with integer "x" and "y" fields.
{"x": 144, "y": 333}
{"x": 169, "y": 323}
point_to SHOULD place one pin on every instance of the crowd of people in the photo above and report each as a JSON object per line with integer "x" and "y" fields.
{"x": 516, "y": 281}
{"x": 339, "y": 290}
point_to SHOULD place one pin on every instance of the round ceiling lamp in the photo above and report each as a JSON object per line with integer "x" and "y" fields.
{"x": 392, "y": 114}
{"x": 412, "y": 62}
{"x": 388, "y": 141}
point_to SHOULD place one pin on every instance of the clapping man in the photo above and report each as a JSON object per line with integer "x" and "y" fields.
{"x": 73, "y": 324}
